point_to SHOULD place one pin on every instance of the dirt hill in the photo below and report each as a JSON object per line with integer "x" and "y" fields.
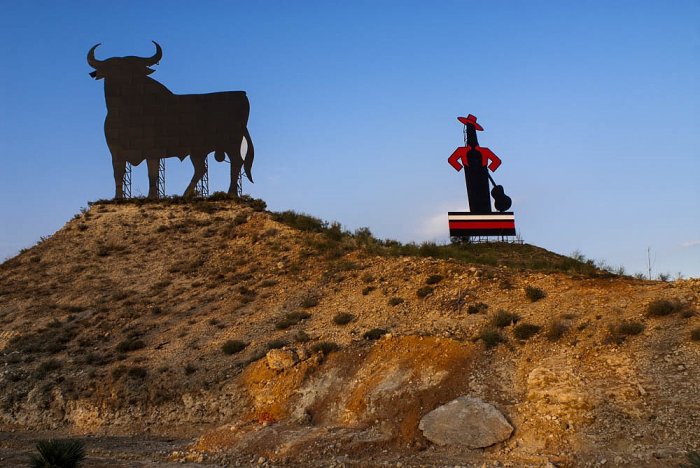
{"x": 274, "y": 338}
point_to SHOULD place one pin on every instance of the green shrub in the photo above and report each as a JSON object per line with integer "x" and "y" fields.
{"x": 240, "y": 218}
{"x": 325, "y": 347}
{"x": 220, "y": 196}
{"x": 367, "y": 278}
{"x": 301, "y": 337}
{"x": 277, "y": 344}
{"x": 429, "y": 249}
{"x": 367, "y": 289}
{"x": 233, "y": 346}
{"x": 47, "y": 366}
{"x": 695, "y": 334}
{"x": 291, "y": 318}
{"x": 556, "y": 330}
{"x": 534, "y": 294}
{"x": 255, "y": 203}
{"x": 630, "y": 328}
{"x": 374, "y": 334}
{"x": 310, "y": 300}
{"x": 190, "y": 369}
{"x": 118, "y": 371}
{"x": 130, "y": 344}
{"x": 490, "y": 337}
{"x": 394, "y": 301}
{"x": 137, "y": 372}
{"x": 477, "y": 308}
{"x": 694, "y": 459}
{"x": 284, "y": 324}
{"x": 424, "y": 291}
{"x": 523, "y": 331}
{"x": 343, "y": 318}
{"x": 433, "y": 279}
{"x": 506, "y": 283}
{"x": 619, "y": 332}
{"x": 300, "y": 221}
{"x": 54, "y": 453}
{"x": 246, "y": 291}
{"x": 503, "y": 318}
{"x": 661, "y": 307}
{"x": 687, "y": 313}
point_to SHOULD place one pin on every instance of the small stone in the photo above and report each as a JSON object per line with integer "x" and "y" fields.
{"x": 261, "y": 460}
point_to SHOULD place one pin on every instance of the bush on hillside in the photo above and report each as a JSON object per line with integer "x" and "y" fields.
{"x": 523, "y": 331}
{"x": 478, "y": 308}
{"x": 694, "y": 459}
{"x": 503, "y": 318}
{"x": 310, "y": 300}
{"x": 374, "y": 334}
{"x": 556, "y": 330}
{"x": 130, "y": 344}
{"x": 433, "y": 279}
{"x": 325, "y": 347}
{"x": 343, "y": 318}
{"x": 233, "y": 346}
{"x": 56, "y": 453}
{"x": 619, "y": 332}
{"x": 490, "y": 337}
{"x": 394, "y": 301}
{"x": 662, "y": 307}
{"x": 534, "y": 294}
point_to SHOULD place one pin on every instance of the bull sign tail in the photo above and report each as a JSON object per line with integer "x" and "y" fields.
{"x": 250, "y": 154}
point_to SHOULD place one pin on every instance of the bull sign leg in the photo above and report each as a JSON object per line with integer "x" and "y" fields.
{"x": 236, "y": 165}
{"x": 198, "y": 161}
{"x": 234, "y": 155}
{"x": 153, "y": 166}
{"x": 119, "y": 168}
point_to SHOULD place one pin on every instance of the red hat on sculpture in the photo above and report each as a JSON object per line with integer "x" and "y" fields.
{"x": 470, "y": 120}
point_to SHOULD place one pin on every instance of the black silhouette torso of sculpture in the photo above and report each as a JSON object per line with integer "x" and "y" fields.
{"x": 146, "y": 121}
{"x": 475, "y": 160}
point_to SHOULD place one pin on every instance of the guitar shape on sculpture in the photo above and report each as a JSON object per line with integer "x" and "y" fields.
{"x": 500, "y": 200}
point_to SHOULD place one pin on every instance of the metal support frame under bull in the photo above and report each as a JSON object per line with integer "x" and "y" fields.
{"x": 517, "y": 239}
{"x": 202, "y": 188}
{"x": 161, "y": 178}
{"x": 126, "y": 181}
{"x": 239, "y": 185}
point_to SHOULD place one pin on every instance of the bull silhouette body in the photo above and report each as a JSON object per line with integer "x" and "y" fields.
{"x": 146, "y": 121}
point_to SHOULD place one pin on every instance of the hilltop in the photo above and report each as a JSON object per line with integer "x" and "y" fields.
{"x": 279, "y": 338}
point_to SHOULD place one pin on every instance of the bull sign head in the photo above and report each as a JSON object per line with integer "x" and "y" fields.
{"x": 147, "y": 121}
{"x": 123, "y": 66}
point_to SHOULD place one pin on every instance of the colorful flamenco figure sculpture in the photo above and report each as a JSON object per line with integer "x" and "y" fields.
{"x": 477, "y": 161}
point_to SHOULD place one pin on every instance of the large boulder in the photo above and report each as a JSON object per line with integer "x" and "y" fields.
{"x": 466, "y": 421}
{"x": 281, "y": 359}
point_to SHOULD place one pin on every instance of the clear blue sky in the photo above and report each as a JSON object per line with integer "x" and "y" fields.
{"x": 593, "y": 106}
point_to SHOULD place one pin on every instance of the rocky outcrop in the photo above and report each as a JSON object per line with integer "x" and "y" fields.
{"x": 466, "y": 421}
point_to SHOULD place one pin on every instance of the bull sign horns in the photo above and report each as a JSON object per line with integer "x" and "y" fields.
{"x": 146, "y": 121}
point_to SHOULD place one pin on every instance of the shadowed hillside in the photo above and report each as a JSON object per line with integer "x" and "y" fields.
{"x": 161, "y": 317}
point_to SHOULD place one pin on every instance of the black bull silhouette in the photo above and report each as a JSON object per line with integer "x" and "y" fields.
{"x": 146, "y": 121}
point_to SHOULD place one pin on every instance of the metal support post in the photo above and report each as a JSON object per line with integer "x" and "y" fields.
{"x": 126, "y": 181}
{"x": 202, "y": 188}
{"x": 161, "y": 178}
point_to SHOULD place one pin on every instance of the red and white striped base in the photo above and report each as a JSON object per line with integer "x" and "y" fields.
{"x": 464, "y": 224}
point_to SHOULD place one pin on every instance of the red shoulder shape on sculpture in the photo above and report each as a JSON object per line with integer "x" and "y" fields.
{"x": 487, "y": 154}
{"x": 460, "y": 153}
